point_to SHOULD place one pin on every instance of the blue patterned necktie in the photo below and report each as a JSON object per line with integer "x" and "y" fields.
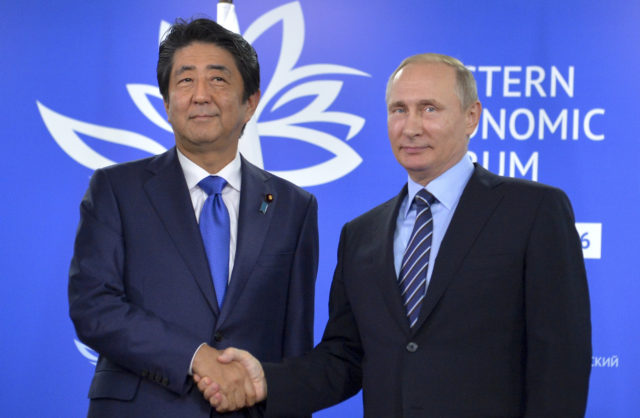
{"x": 214, "y": 227}
{"x": 415, "y": 262}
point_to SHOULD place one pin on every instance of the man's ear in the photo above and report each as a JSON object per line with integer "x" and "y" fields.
{"x": 252, "y": 105}
{"x": 166, "y": 107}
{"x": 472, "y": 117}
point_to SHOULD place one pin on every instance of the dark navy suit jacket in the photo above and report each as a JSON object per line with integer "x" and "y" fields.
{"x": 504, "y": 329}
{"x": 141, "y": 294}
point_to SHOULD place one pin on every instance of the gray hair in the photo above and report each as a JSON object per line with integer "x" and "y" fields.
{"x": 466, "y": 89}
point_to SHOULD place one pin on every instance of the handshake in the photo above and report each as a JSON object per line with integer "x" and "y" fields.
{"x": 229, "y": 379}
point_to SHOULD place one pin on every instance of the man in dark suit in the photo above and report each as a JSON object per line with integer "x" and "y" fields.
{"x": 141, "y": 291}
{"x": 498, "y": 323}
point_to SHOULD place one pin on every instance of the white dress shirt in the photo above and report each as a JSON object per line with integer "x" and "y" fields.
{"x": 232, "y": 173}
{"x": 447, "y": 189}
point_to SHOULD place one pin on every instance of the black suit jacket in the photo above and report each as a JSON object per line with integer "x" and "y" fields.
{"x": 504, "y": 329}
{"x": 141, "y": 293}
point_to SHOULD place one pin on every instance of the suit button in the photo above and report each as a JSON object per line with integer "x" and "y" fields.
{"x": 145, "y": 373}
{"x": 217, "y": 337}
{"x": 165, "y": 381}
{"x": 412, "y": 347}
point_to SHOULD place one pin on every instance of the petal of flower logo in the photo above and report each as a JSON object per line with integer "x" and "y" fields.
{"x": 326, "y": 91}
{"x": 140, "y": 94}
{"x": 65, "y": 129}
{"x": 65, "y": 132}
{"x": 87, "y": 352}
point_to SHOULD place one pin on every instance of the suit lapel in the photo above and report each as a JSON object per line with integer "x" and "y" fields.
{"x": 168, "y": 193}
{"x": 476, "y": 204}
{"x": 385, "y": 264}
{"x": 252, "y": 231}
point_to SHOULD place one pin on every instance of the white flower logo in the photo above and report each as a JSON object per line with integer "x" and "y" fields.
{"x": 87, "y": 352}
{"x": 65, "y": 130}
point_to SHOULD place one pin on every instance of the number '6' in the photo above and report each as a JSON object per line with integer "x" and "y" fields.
{"x": 585, "y": 242}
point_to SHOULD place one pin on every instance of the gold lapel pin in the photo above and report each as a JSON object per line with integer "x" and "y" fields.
{"x": 268, "y": 198}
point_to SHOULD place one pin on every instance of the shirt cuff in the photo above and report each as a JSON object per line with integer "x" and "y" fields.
{"x": 192, "y": 358}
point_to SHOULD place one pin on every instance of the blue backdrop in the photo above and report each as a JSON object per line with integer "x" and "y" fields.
{"x": 557, "y": 80}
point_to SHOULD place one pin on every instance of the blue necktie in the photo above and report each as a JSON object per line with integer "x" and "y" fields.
{"x": 415, "y": 262}
{"x": 214, "y": 227}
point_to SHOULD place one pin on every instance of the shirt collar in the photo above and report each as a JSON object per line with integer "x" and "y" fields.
{"x": 193, "y": 173}
{"x": 447, "y": 187}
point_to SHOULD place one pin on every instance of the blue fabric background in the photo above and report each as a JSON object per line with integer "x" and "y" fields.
{"x": 76, "y": 58}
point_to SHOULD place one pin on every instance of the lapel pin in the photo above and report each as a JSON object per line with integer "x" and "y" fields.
{"x": 268, "y": 198}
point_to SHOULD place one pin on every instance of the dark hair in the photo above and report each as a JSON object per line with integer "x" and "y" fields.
{"x": 183, "y": 33}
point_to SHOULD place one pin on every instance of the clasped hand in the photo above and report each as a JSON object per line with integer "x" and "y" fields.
{"x": 229, "y": 380}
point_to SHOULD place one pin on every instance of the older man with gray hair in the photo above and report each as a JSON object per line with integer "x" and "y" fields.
{"x": 464, "y": 295}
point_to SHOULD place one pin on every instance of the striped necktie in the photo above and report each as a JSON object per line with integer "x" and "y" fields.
{"x": 415, "y": 261}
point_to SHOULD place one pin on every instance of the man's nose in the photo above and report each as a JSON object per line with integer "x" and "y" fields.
{"x": 201, "y": 93}
{"x": 413, "y": 124}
